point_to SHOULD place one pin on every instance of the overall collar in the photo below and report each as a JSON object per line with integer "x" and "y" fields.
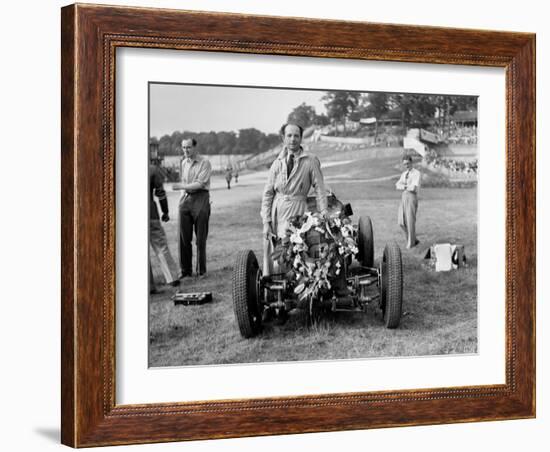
{"x": 284, "y": 153}
{"x": 195, "y": 159}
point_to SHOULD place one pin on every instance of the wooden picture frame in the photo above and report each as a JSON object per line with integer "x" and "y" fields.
{"x": 90, "y": 37}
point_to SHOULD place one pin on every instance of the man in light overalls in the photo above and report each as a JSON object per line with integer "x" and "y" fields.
{"x": 290, "y": 178}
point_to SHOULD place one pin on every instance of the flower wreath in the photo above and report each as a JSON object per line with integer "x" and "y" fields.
{"x": 336, "y": 241}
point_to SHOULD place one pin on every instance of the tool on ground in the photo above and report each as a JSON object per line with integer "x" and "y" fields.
{"x": 191, "y": 298}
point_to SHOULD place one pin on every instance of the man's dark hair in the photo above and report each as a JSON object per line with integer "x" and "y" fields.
{"x": 283, "y": 127}
{"x": 193, "y": 141}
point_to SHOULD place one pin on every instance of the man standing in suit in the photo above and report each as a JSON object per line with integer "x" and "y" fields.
{"x": 409, "y": 183}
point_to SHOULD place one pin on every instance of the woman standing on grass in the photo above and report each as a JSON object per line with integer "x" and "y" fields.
{"x": 409, "y": 183}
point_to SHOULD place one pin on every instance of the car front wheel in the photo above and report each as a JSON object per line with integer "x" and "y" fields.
{"x": 246, "y": 294}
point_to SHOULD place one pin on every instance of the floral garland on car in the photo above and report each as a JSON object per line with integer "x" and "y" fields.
{"x": 311, "y": 276}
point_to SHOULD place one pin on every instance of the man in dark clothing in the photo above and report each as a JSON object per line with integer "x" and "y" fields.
{"x": 228, "y": 176}
{"x": 157, "y": 236}
{"x": 194, "y": 207}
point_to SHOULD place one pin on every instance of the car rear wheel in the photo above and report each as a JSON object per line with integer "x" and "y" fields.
{"x": 391, "y": 286}
{"x": 365, "y": 242}
{"x": 246, "y": 293}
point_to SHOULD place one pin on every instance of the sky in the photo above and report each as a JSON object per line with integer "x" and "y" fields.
{"x": 202, "y": 108}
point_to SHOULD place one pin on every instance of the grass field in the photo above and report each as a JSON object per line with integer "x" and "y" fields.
{"x": 440, "y": 309}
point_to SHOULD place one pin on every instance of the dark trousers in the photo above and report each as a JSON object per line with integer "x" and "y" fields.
{"x": 194, "y": 213}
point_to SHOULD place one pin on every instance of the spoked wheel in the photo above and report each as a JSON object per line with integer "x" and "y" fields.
{"x": 246, "y": 293}
{"x": 365, "y": 242}
{"x": 391, "y": 285}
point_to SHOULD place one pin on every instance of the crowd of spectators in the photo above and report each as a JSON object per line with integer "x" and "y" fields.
{"x": 460, "y": 135}
{"x": 455, "y": 166}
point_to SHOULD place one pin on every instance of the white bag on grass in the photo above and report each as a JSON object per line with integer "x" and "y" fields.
{"x": 446, "y": 256}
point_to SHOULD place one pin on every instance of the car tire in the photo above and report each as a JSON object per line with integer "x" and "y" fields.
{"x": 391, "y": 287}
{"x": 365, "y": 242}
{"x": 246, "y": 296}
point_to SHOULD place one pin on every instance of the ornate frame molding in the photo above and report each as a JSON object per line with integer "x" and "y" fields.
{"x": 90, "y": 37}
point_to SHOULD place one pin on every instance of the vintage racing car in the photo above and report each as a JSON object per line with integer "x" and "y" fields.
{"x": 260, "y": 298}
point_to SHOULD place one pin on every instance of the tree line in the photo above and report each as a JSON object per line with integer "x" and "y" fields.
{"x": 246, "y": 141}
{"x": 413, "y": 110}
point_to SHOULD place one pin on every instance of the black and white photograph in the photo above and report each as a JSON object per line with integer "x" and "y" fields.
{"x": 230, "y": 310}
{"x": 294, "y": 225}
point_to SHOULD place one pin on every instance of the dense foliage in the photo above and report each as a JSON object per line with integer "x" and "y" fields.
{"x": 411, "y": 110}
{"x": 311, "y": 271}
{"x": 246, "y": 141}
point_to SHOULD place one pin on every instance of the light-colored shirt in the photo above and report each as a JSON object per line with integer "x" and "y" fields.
{"x": 198, "y": 170}
{"x": 409, "y": 180}
{"x": 285, "y": 197}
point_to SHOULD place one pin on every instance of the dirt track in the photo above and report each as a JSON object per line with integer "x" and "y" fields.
{"x": 251, "y": 184}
